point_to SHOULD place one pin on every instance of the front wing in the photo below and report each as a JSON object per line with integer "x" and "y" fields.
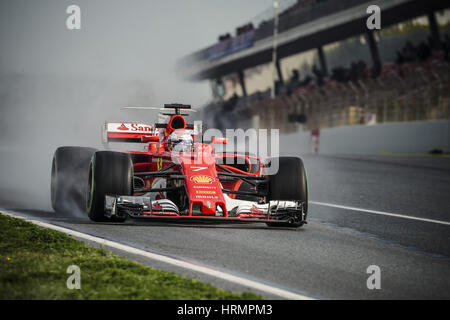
{"x": 238, "y": 211}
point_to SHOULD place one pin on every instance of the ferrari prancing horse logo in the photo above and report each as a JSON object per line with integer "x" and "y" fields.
{"x": 159, "y": 163}
{"x": 202, "y": 179}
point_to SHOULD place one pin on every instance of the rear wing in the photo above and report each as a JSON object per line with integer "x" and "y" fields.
{"x": 127, "y": 131}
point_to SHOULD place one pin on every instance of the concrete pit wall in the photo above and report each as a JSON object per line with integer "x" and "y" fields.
{"x": 398, "y": 137}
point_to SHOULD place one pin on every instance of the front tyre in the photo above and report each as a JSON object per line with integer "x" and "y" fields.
{"x": 110, "y": 173}
{"x": 289, "y": 184}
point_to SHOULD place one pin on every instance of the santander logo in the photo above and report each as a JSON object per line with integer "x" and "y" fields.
{"x": 135, "y": 127}
{"x": 139, "y": 127}
{"x": 254, "y": 209}
{"x": 123, "y": 127}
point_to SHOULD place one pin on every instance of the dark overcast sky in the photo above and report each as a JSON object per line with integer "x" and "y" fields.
{"x": 135, "y": 39}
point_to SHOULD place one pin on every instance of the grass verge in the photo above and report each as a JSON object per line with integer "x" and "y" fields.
{"x": 34, "y": 261}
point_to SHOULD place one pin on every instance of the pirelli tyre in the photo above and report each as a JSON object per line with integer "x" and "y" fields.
{"x": 110, "y": 173}
{"x": 69, "y": 174}
{"x": 289, "y": 183}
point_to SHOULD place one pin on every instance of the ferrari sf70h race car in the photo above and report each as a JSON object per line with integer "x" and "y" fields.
{"x": 176, "y": 179}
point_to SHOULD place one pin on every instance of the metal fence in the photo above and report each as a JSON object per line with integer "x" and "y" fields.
{"x": 410, "y": 93}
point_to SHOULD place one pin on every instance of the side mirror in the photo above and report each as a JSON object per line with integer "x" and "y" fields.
{"x": 219, "y": 140}
{"x": 150, "y": 139}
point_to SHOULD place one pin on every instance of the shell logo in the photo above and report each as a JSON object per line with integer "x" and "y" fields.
{"x": 202, "y": 179}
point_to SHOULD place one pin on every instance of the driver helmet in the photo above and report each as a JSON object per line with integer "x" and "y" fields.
{"x": 180, "y": 141}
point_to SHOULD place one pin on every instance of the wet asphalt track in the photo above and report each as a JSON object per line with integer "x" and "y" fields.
{"x": 328, "y": 257}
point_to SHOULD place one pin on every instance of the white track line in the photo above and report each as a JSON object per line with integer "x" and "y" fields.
{"x": 179, "y": 263}
{"x": 379, "y": 212}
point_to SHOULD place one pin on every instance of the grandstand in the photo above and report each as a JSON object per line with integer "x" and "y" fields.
{"x": 331, "y": 71}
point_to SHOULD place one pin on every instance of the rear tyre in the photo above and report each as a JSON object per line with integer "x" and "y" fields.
{"x": 68, "y": 178}
{"x": 289, "y": 184}
{"x": 110, "y": 173}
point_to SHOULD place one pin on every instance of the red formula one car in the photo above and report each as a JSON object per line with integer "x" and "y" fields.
{"x": 176, "y": 179}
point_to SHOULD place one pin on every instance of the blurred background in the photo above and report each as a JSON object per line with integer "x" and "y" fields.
{"x": 334, "y": 86}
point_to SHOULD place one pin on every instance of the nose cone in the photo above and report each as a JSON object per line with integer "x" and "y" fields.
{"x": 202, "y": 185}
